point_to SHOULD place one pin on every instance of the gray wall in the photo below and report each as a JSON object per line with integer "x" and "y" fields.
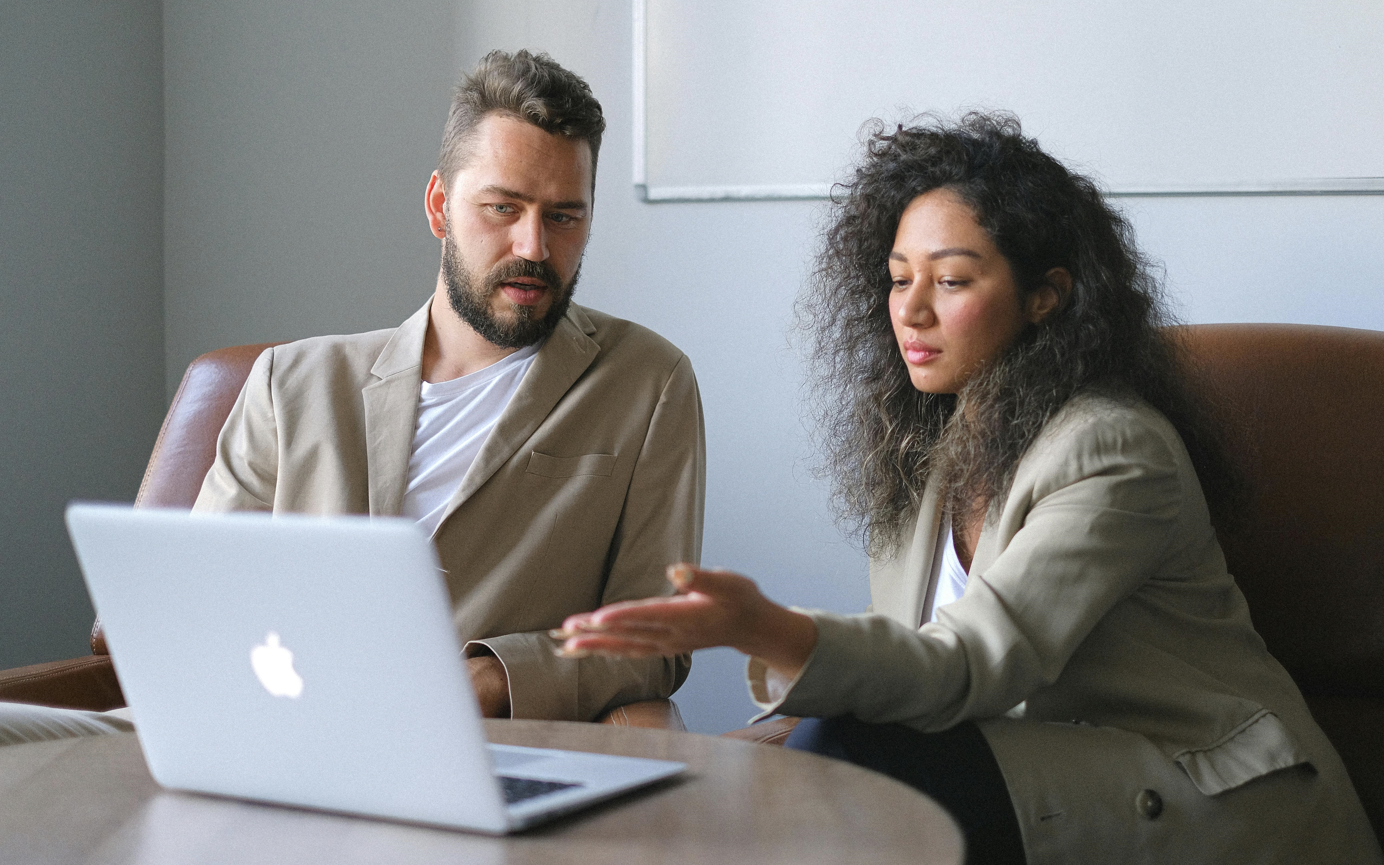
{"x": 300, "y": 137}
{"x": 81, "y": 332}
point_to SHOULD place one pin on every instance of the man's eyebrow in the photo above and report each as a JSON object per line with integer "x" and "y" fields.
{"x": 505, "y": 192}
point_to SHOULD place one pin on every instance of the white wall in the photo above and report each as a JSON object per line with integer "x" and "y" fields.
{"x": 81, "y": 311}
{"x": 1182, "y": 93}
{"x": 719, "y": 279}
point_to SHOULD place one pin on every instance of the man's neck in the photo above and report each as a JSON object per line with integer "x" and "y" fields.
{"x": 452, "y": 348}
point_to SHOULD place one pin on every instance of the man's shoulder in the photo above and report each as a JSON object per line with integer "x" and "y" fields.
{"x": 334, "y": 349}
{"x": 623, "y": 339}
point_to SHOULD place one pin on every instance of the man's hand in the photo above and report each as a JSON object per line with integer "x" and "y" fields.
{"x": 491, "y": 685}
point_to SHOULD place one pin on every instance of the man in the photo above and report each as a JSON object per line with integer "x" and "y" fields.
{"x": 556, "y": 453}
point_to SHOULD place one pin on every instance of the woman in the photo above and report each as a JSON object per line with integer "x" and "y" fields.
{"x": 1056, "y": 651}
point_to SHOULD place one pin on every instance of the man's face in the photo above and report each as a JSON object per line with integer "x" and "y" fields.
{"x": 517, "y": 218}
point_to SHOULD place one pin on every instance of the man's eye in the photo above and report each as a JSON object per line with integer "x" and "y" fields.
{"x": 502, "y": 208}
{"x": 562, "y": 218}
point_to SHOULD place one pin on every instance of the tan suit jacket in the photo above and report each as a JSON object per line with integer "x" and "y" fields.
{"x": 1105, "y": 651}
{"x": 590, "y": 484}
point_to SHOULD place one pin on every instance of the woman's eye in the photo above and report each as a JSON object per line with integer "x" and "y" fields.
{"x": 900, "y": 283}
{"x": 947, "y": 282}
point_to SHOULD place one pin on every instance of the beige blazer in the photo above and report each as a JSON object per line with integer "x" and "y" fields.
{"x": 591, "y": 482}
{"x": 1106, "y": 652}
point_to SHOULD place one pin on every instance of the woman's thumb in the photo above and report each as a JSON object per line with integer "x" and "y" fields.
{"x": 690, "y": 578}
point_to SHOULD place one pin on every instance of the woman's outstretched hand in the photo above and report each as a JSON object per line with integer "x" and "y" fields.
{"x": 711, "y": 608}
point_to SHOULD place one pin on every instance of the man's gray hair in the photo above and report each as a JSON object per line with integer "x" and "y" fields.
{"x": 528, "y": 87}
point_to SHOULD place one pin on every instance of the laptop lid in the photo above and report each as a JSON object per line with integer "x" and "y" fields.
{"x": 303, "y": 660}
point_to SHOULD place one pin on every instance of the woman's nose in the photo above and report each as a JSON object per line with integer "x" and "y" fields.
{"x": 914, "y": 307}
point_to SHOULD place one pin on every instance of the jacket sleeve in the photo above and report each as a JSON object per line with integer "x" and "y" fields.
{"x": 660, "y": 523}
{"x": 245, "y": 472}
{"x": 1095, "y": 510}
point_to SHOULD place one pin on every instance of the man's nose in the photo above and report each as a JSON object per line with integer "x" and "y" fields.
{"x": 531, "y": 238}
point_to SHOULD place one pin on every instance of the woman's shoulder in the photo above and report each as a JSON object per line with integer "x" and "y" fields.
{"x": 1097, "y": 428}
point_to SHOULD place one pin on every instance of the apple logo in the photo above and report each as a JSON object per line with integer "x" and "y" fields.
{"x": 274, "y": 668}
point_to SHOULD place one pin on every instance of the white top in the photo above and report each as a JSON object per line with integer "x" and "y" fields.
{"x": 454, "y": 419}
{"x": 951, "y": 576}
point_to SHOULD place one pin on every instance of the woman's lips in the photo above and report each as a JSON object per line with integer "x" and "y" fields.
{"x": 918, "y": 353}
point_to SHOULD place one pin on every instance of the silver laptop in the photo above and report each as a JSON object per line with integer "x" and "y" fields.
{"x": 312, "y": 661}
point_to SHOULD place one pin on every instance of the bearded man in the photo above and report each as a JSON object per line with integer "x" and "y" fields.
{"x": 556, "y": 453}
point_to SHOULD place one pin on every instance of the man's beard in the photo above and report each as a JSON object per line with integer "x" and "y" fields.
{"x": 472, "y": 302}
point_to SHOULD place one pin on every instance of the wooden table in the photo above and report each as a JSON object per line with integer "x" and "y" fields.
{"x": 92, "y": 800}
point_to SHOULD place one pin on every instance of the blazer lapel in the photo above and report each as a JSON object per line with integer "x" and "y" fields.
{"x": 899, "y": 588}
{"x": 556, "y": 367}
{"x": 391, "y": 409}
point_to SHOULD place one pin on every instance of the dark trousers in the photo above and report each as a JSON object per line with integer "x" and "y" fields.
{"x": 954, "y": 767}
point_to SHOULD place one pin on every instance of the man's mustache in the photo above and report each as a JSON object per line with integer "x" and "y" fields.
{"x": 522, "y": 267}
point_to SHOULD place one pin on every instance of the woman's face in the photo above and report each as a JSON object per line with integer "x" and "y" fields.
{"x": 954, "y": 304}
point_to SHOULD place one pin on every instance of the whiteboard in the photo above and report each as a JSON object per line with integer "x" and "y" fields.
{"x": 765, "y": 99}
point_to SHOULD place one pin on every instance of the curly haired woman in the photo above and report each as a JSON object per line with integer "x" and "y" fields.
{"x": 1055, "y": 649}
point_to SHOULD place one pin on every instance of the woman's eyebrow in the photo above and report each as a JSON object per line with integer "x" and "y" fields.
{"x": 941, "y": 253}
{"x": 952, "y": 250}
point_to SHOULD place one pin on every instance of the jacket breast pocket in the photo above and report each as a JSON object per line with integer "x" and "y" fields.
{"x": 597, "y": 465}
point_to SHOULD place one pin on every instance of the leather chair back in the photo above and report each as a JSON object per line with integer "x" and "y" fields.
{"x": 1304, "y": 410}
{"x": 186, "y": 446}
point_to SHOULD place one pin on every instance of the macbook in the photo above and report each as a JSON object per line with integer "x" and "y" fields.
{"x": 312, "y": 661}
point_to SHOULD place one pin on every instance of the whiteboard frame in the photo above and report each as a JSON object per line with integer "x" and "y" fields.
{"x": 822, "y": 191}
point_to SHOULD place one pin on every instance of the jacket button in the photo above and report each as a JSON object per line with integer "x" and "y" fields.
{"x": 1149, "y": 804}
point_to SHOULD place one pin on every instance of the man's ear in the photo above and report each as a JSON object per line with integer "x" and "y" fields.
{"x": 1050, "y": 296}
{"x": 435, "y": 203}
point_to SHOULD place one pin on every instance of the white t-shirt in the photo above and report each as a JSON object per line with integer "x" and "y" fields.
{"x": 951, "y": 576}
{"x": 454, "y": 419}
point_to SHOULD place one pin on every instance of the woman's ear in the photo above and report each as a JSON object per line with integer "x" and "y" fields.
{"x": 1051, "y": 295}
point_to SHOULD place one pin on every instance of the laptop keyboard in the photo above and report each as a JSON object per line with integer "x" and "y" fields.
{"x": 519, "y": 789}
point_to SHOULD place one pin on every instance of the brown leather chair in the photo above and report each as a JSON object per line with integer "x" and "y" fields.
{"x": 183, "y": 453}
{"x": 1304, "y": 410}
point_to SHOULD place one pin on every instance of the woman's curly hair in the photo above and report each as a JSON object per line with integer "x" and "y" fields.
{"x": 881, "y": 437}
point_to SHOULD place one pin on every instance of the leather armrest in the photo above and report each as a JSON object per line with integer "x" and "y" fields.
{"x": 773, "y": 732}
{"x": 80, "y": 683}
{"x": 659, "y": 714}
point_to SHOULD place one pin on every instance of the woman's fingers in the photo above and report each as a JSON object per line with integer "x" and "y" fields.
{"x": 711, "y": 608}
{"x": 711, "y": 581}
{"x": 622, "y": 645}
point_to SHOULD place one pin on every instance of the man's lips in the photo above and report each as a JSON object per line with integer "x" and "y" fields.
{"x": 523, "y": 291}
{"x": 918, "y": 353}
